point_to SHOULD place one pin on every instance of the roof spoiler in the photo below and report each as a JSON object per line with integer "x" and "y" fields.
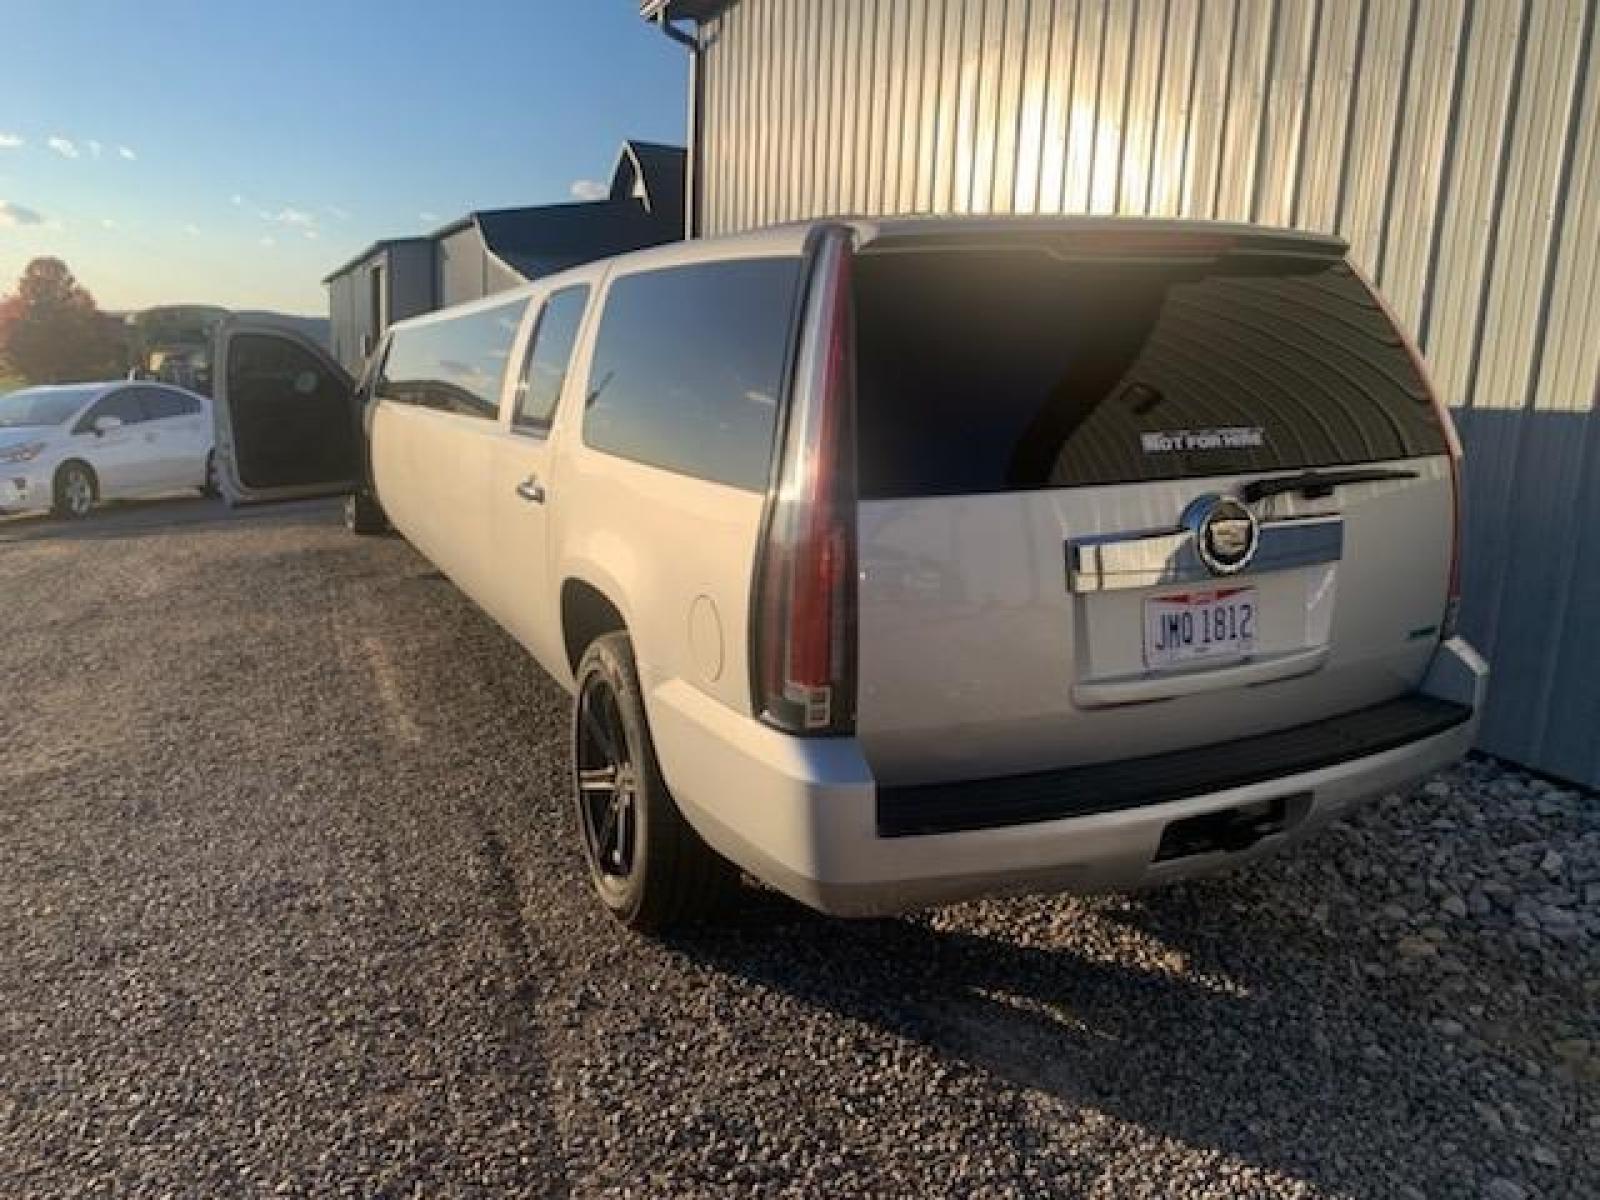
{"x": 1096, "y": 237}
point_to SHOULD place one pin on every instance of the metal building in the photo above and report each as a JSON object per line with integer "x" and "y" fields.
{"x": 1454, "y": 143}
{"x": 492, "y": 250}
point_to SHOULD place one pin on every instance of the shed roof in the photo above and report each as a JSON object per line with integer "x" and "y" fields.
{"x": 369, "y": 253}
{"x": 537, "y": 241}
{"x": 644, "y": 208}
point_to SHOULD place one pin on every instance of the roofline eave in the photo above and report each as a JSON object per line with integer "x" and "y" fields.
{"x": 682, "y": 10}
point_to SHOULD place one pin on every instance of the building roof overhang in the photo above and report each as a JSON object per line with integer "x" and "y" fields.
{"x": 682, "y": 10}
{"x": 370, "y": 252}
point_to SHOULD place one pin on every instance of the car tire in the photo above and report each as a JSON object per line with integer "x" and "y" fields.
{"x": 650, "y": 868}
{"x": 363, "y": 514}
{"x": 75, "y": 490}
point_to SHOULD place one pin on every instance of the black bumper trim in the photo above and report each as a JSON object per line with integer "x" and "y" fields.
{"x": 1135, "y": 782}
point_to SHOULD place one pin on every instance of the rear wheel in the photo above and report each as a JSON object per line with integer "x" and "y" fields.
{"x": 649, "y": 866}
{"x": 75, "y": 490}
{"x": 363, "y": 514}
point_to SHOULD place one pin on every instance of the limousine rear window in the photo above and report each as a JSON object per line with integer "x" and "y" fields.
{"x": 456, "y": 364}
{"x": 998, "y": 370}
{"x": 688, "y": 364}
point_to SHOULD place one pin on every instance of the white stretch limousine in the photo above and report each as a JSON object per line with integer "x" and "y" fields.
{"x": 901, "y": 561}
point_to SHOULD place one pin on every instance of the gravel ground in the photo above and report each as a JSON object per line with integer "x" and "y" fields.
{"x": 289, "y": 905}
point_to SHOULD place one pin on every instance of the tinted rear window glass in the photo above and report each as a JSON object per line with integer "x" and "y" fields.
{"x": 1001, "y": 371}
{"x": 456, "y": 364}
{"x": 688, "y": 365}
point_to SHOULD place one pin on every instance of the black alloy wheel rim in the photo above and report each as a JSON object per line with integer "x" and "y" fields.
{"x": 607, "y": 785}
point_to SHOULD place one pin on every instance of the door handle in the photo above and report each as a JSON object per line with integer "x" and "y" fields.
{"x": 531, "y": 489}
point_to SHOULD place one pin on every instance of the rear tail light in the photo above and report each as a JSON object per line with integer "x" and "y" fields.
{"x": 1452, "y": 606}
{"x": 805, "y": 638}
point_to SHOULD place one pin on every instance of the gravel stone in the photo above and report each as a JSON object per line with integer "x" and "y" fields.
{"x": 292, "y": 906}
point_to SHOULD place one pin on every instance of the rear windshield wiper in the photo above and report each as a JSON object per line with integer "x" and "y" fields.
{"x": 1317, "y": 484}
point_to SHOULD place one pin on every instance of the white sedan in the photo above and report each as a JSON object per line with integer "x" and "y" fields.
{"x": 67, "y": 446}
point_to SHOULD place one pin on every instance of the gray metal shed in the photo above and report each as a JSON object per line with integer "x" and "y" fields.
{"x": 496, "y": 249}
{"x": 388, "y": 281}
{"x": 1454, "y": 143}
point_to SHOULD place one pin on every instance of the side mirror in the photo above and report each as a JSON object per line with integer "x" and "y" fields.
{"x": 107, "y": 423}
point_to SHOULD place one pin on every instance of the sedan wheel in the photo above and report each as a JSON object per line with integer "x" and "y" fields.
{"x": 74, "y": 491}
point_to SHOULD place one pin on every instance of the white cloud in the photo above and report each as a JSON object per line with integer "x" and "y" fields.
{"x": 94, "y": 147}
{"x": 10, "y": 141}
{"x": 269, "y": 241}
{"x": 310, "y": 235}
{"x": 341, "y": 214}
{"x": 589, "y": 189}
{"x": 107, "y": 223}
{"x": 236, "y": 200}
{"x": 290, "y": 216}
{"x": 12, "y": 215}
{"x": 63, "y": 147}
{"x": 124, "y": 152}
{"x": 192, "y": 230}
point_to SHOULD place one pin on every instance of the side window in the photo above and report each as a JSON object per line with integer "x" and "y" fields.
{"x": 455, "y": 364}
{"x": 123, "y": 403}
{"x": 688, "y": 365}
{"x": 543, "y": 375}
{"x": 159, "y": 404}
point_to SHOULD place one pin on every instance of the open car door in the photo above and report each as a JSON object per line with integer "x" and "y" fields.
{"x": 287, "y": 424}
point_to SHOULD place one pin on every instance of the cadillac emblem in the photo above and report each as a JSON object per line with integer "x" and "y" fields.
{"x": 1226, "y": 533}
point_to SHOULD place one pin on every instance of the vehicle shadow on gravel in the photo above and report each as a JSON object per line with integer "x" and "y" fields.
{"x": 1254, "y": 1036}
{"x": 121, "y": 519}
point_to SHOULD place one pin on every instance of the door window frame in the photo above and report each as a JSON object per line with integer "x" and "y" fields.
{"x": 540, "y": 428}
{"x": 86, "y": 422}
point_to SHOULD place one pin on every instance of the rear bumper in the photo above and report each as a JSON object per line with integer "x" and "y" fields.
{"x": 806, "y": 816}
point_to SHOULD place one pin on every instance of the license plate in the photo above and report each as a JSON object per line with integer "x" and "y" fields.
{"x": 1205, "y": 626}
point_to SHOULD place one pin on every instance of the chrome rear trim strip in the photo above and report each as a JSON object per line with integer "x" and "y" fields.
{"x": 1158, "y": 558}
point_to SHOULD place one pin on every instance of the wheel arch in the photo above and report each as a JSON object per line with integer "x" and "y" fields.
{"x": 587, "y": 612}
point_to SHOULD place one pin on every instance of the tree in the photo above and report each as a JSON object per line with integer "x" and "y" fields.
{"x": 51, "y": 331}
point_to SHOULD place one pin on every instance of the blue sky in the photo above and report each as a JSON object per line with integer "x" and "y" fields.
{"x": 218, "y": 152}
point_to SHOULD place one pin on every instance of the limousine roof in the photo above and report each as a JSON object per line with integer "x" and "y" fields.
{"x": 1136, "y": 236}
{"x": 1133, "y": 235}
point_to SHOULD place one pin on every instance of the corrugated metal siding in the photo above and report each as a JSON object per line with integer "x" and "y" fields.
{"x": 1455, "y": 143}
{"x": 350, "y": 312}
{"x": 411, "y": 282}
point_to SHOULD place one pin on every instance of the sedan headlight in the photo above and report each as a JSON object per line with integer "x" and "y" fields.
{"x": 26, "y": 452}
